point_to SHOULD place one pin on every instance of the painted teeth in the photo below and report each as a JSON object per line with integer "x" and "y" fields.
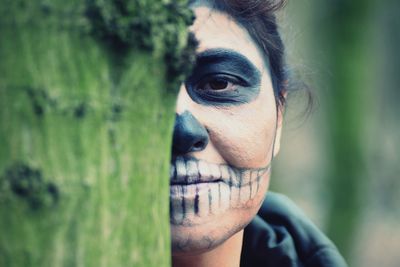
{"x": 204, "y": 169}
{"x": 204, "y": 202}
{"x": 235, "y": 177}
{"x": 190, "y": 200}
{"x": 180, "y": 167}
{"x": 253, "y": 185}
{"x": 215, "y": 171}
{"x": 245, "y": 177}
{"x": 244, "y": 194}
{"x": 193, "y": 171}
{"x": 177, "y": 211}
{"x": 215, "y": 199}
{"x": 224, "y": 199}
{"x": 225, "y": 173}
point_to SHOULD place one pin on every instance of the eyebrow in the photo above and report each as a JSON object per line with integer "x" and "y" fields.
{"x": 227, "y": 60}
{"x": 222, "y": 54}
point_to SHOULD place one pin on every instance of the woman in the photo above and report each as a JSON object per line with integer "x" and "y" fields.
{"x": 227, "y": 131}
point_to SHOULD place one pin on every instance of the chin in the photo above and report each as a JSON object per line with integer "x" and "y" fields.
{"x": 198, "y": 239}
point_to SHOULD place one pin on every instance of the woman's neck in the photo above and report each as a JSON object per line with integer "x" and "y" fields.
{"x": 225, "y": 255}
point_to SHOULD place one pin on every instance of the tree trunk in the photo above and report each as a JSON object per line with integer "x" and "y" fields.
{"x": 86, "y": 116}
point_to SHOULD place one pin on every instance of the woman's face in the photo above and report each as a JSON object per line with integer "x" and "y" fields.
{"x": 226, "y": 133}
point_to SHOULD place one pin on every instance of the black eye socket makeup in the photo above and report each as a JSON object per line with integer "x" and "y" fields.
{"x": 223, "y": 77}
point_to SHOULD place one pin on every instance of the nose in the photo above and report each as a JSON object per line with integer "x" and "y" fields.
{"x": 189, "y": 135}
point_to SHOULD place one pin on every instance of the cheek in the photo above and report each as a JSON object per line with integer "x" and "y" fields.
{"x": 244, "y": 135}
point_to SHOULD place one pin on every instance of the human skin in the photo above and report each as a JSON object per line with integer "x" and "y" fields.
{"x": 230, "y": 94}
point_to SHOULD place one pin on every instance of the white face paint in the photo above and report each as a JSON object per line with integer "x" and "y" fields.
{"x": 216, "y": 191}
{"x": 200, "y": 189}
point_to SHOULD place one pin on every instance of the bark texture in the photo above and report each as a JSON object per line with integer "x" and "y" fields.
{"x": 86, "y": 116}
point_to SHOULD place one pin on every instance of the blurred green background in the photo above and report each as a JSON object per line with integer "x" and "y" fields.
{"x": 341, "y": 164}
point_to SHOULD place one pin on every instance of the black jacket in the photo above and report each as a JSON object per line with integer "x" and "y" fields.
{"x": 282, "y": 236}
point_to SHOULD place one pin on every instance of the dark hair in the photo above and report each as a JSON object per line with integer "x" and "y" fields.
{"x": 258, "y": 17}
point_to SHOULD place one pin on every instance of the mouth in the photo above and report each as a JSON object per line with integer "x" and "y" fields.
{"x": 199, "y": 189}
{"x": 191, "y": 171}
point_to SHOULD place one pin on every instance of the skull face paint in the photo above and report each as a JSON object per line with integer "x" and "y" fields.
{"x": 226, "y": 133}
{"x": 199, "y": 189}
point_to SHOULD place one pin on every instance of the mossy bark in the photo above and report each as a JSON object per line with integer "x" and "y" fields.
{"x": 85, "y": 134}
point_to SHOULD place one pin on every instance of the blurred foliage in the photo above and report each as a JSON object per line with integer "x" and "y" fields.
{"x": 344, "y": 29}
{"x": 341, "y": 165}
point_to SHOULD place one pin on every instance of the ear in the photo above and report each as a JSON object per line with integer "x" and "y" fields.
{"x": 278, "y": 134}
{"x": 279, "y": 123}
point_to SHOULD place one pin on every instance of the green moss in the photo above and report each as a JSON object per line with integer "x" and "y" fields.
{"x": 28, "y": 184}
{"x": 156, "y": 26}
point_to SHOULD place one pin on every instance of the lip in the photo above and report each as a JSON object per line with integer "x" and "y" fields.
{"x": 200, "y": 189}
{"x": 191, "y": 171}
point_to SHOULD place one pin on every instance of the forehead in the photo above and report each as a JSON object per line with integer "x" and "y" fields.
{"x": 215, "y": 29}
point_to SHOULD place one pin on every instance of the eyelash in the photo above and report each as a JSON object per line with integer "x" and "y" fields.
{"x": 232, "y": 81}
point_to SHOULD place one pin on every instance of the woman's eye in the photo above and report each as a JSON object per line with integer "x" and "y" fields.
{"x": 217, "y": 84}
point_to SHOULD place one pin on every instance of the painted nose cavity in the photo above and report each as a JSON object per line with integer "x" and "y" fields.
{"x": 189, "y": 134}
